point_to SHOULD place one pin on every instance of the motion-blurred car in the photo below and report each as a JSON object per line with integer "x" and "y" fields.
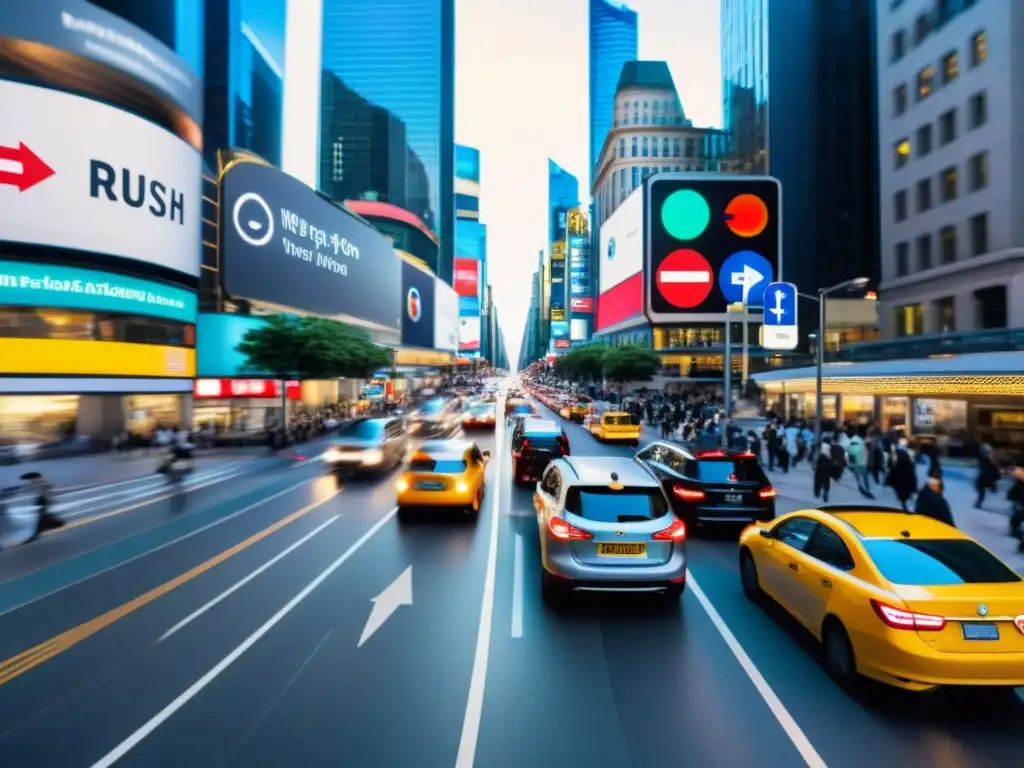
{"x": 443, "y": 474}
{"x": 368, "y": 445}
{"x": 576, "y": 409}
{"x": 711, "y": 487}
{"x": 480, "y": 416}
{"x": 435, "y": 418}
{"x": 518, "y": 407}
{"x": 902, "y": 599}
{"x": 615, "y": 427}
{"x": 606, "y": 526}
{"x": 534, "y": 444}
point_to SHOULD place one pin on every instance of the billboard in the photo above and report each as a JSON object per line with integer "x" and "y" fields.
{"x": 77, "y": 357}
{"x": 556, "y": 301}
{"x": 559, "y": 329}
{"x": 44, "y": 285}
{"x": 281, "y": 243}
{"x": 469, "y": 305}
{"x": 467, "y": 277}
{"x": 622, "y": 245}
{"x": 469, "y": 334}
{"x": 578, "y": 329}
{"x": 418, "y": 310}
{"x": 78, "y": 174}
{"x": 581, "y": 305}
{"x": 579, "y": 267}
{"x": 261, "y": 389}
{"x": 621, "y": 303}
{"x": 217, "y": 339}
{"x": 446, "y": 316}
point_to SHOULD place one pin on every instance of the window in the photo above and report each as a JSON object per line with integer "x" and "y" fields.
{"x": 654, "y": 148}
{"x": 675, "y": 148}
{"x": 827, "y": 546}
{"x": 947, "y": 126}
{"x": 939, "y": 562}
{"x": 924, "y": 140}
{"x": 979, "y": 48}
{"x": 921, "y": 28}
{"x": 362, "y": 429}
{"x": 634, "y": 149}
{"x": 947, "y": 181}
{"x": 978, "y": 108}
{"x": 603, "y": 505}
{"x": 902, "y": 259}
{"x": 635, "y": 174}
{"x": 950, "y": 67}
{"x": 901, "y": 151}
{"x": 622, "y": 147}
{"x": 979, "y": 234}
{"x": 990, "y": 307}
{"x": 925, "y": 82}
{"x": 947, "y": 244}
{"x": 924, "y": 195}
{"x": 622, "y": 180}
{"x": 978, "y": 171}
{"x": 691, "y": 150}
{"x": 900, "y": 205}
{"x": 945, "y": 314}
{"x": 909, "y": 320}
{"x": 899, "y": 44}
{"x": 924, "y": 252}
{"x": 795, "y": 531}
{"x": 899, "y": 99}
{"x": 664, "y": 147}
{"x": 644, "y": 150}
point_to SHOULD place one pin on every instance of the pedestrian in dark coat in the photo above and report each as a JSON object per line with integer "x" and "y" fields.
{"x": 931, "y": 503}
{"x": 902, "y": 476}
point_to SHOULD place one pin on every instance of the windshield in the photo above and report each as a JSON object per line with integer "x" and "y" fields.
{"x": 432, "y": 407}
{"x": 521, "y": 408}
{"x": 724, "y": 471}
{"x": 937, "y": 562}
{"x": 618, "y": 420}
{"x": 361, "y": 429}
{"x": 438, "y": 466}
{"x": 604, "y": 505}
{"x": 542, "y": 441}
{"x": 482, "y": 410}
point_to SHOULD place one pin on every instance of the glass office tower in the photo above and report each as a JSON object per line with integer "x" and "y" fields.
{"x": 178, "y": 24}
{"x": 613, "y": 42}
{"x": 387, "y": 120}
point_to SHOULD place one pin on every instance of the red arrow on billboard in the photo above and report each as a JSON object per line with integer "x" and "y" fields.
{"x": 33, "y": 169}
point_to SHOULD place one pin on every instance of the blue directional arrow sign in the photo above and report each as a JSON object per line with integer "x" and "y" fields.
{"x": 780, "y": 329}
{"x": 743, "y": 277}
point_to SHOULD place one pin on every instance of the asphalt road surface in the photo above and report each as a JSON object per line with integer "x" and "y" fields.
{"x": 284, "y": 618}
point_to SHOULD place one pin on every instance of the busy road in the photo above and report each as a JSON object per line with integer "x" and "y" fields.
{"x": 286, "y": 617}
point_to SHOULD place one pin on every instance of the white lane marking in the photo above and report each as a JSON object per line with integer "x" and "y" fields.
{"x": 684, "y": 276}
{"x": 242, "y": 582}
{"x": 478, "y": 679}
{"x": 94, "y": 488}
{"x": 778, "y": 709}
{"x": 139, "y": 556}
{"x": 517, "y": 588}
{"x": 164, "y": 714}
{"x": 394, "y": 596}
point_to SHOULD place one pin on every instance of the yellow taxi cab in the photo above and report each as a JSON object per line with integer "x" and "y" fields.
{"x": 443, "y": 474}
{"x": 899, "y": 598}
{"x": 576, "y": 411}
{"x": 615, "y": 426}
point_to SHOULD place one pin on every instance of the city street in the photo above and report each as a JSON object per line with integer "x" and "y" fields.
{"x": 285, "y": 618}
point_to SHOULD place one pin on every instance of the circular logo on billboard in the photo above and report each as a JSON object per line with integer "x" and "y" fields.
{"x": 253, "y": 220}
{"x": 414, "y": 305}
{"x": 611, "y": 248}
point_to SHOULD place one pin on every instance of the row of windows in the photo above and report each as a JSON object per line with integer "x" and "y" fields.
{"x": 641, "y": 147}
{"x": 667, "y": 105}
{"x": 645, "y": 119}
{"x": 948, "y": 182}
{"x": 30, "y": 323}
{"x": 622, "y": 184}
{"x": 925, "y": 249}
{"x": 977, "y": 116}
{"x": 924, "y": 25}
{"x": 990, "y": 312}
{"x": 949, "y": 70}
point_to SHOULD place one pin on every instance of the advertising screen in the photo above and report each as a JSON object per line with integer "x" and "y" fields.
{"x": 217, "y": 340}
{"x": 621, "y": 303}
{"x": 73, "y": 357}
{"x": 557, "y": 299}
{"x": 88, "y": 177}
{"x": 559, "y": 329}
{"x": 283, "y": 244}
{"x": 581, "y": 304}
{"x": 418, "y": 317}
{"x": 43, "y": 285}
{"x": 562, "y": 344}
{"x": 469, "y": 305}
{"x": 264, "y": 389}
{"x": 469, "y": 334}
{"x": 467, "y": 277}
{"x": 446, "y": 316}
{"x": 579, "y": 267}
{"x": 578, "y": 329}
{"x": 622, "y": 247}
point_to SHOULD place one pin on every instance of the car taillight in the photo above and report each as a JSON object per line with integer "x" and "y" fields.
{"x": 899, "y": 618}
{"x": 767, "y": 493}
{"x": 525, "y": 446}
{"x": 675, "y": 532}
{"x": 560, "y": 529}
{"x": 745, "y": 455}
{"x": 712, "y": 455}
{"x": 688, "y": 494}
{"x": 563, "y": 446}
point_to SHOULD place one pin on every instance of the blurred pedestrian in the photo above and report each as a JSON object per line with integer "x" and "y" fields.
{"x": 857, "y": 456}
{"x": 931, "y": 503}
{"x": 988, "y": 474}
{"x": 823, "y": 469}
{"x": 902, "y": 474}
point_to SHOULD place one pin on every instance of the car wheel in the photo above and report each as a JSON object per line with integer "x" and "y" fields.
{"x": 551, "y": 591}
{"x": 673, "y": 592}
{"x": 748, "y": 576}
{"x": 837, "y": 650}
{"x": 404, "y": 514}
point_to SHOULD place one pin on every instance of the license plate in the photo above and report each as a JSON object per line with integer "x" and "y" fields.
{"x": 980, "y": 631}
{"x": 429, "y": 486}
{"x": 734, "y": 498}
{"x": 618, "y": 549}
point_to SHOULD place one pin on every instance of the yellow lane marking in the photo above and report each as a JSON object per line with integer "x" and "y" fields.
{"x": 43, "y": 652}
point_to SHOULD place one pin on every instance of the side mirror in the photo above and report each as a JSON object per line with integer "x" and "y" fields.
{"x": 487, "y": 455}
{"x": 766, "y": 533}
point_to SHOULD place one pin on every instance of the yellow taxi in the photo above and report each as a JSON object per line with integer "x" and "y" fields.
{"x": 443, "y": 474}
{"x": 576, "y": 411}
{"x": 615, "y": 427}
{"x": 899, "y": 598}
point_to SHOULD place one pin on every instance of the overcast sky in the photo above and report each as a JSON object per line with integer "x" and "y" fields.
{"x": 521, "y": 97}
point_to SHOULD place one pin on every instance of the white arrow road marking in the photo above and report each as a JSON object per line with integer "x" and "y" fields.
{"x": 684, "y": 276}
{"x": 397, "y": 594}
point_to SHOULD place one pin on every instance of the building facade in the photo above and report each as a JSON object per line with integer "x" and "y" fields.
{"x": 950, "y": 121}
{"x": 613, "y": 41}
{"x": 387, "y": 118}
{"x": 470, "y": 265}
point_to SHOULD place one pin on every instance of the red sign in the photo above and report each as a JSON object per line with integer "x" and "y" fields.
{"x": 621, "y": 303}
{"x": 33, "y": 169}
{"x": 467, "y": 277}
{"x": 561, "y": 344}
{"x": 685, "y": 279}
{"x": 212, "y": 389}
{"x": 582, "y": 304}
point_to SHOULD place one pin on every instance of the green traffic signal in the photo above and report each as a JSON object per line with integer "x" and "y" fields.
{"x": 685, "y": 214}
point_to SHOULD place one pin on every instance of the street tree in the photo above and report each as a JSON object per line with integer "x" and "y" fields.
{"x": 630, "y": 363}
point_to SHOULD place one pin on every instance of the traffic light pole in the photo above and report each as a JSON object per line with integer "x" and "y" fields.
{"x": 727, "y": 401}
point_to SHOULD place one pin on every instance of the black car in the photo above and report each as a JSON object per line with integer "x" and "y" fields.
{"x": 436, "y": 418}
{"x": 534, "y": 443}
{"x": 367, "y": 445}
{"x": 711, "y": 487}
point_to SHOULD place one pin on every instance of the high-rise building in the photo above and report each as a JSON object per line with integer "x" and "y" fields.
{"x": 799, "y": 104}
{"x": 951, "y": 135}
{"x": 613, "y": 42}
{"x": 178, "y": 24}
{"x": 470, "y": 258}
{"x": 387, "y": 121}
{"x": 563, "y": 196}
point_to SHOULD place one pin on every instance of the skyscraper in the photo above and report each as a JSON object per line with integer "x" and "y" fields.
{"x": 389, "y": 88}
{"x": 613, "y": 42}
{"x": 178, "y": 24}
{"x": 470, "y": 254}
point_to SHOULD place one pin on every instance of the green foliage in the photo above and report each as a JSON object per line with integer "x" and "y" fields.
{"x": 629, "y": 363}
{"x": 312, "y": 348}
{"x": 581, "y": 363}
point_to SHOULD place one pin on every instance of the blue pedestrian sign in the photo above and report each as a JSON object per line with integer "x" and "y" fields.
{"x": 780, "y": 330}
{"x": 743, "y": 278}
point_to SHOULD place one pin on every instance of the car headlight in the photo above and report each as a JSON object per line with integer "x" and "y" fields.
{"x": 331, "y": 455}
{"x": 461, "y": 487}
{"x": 402, "y": 485}
{"x": 373, "y": 456}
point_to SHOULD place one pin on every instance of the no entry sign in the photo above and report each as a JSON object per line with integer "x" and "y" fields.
{"x": 685, "y": 279}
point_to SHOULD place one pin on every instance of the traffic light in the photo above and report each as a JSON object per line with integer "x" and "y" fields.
{"x": 712, "y": 240}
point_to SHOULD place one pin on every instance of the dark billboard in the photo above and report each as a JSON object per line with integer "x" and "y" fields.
{"x": 418, "y": 309}
{"x": 282, "y": 244}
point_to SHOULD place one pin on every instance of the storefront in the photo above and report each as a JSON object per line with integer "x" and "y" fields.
{"x": 238, "y": 409}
